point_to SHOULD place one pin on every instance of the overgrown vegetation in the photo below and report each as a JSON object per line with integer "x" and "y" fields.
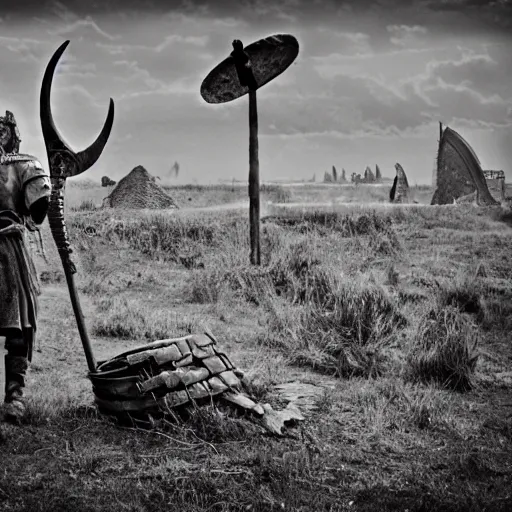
{"x": 444, "y": 349}
{"x": 400, "y": 316}
{"x": 86, "y": 205}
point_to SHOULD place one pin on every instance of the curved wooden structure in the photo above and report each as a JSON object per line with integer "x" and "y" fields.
{"x": 458, "y": 172}
{"x": 165, "y": 374}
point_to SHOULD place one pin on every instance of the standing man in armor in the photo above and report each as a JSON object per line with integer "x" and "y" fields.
{"x": 24, "y": 199}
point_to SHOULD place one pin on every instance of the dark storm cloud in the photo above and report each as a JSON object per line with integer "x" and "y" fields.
{"x": 497, "y": 13}
{"x": 56, "y": 8}
{"x": 454, "y": 16}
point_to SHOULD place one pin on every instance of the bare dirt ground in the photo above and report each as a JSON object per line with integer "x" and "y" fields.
{"x": 374, "y": 437}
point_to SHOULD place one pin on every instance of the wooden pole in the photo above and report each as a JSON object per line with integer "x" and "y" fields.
{"x": 254, "y": 181}
{"x": 77, "y": 309}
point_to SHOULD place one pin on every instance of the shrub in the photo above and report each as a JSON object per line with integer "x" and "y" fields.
{"x": 342, "y": 328}
{"x": 464, "y": 295}
{"x": 443, "y": 351}
{"x": 86, "y": 205}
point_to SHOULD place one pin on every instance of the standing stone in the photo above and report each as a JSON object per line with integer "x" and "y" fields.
{"x": 368, "y": 175}
{"x": 378, "y": 175}
{"x": 400, "y": 190}
{"x": 334, "y": 174}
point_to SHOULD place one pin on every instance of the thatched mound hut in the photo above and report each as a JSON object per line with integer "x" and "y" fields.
{"x": 138, "y": 190}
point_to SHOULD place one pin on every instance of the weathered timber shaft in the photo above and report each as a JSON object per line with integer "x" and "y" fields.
{"x": 77, "y": 309}
{"x": 254, "y": 181}
{"x": 65, "y": 163}
{"x": 59, "y": 232}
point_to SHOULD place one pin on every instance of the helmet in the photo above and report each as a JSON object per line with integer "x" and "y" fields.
{"x": 9, "y": 134}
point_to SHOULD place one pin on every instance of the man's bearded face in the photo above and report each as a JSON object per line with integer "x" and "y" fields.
{"x": 5, "y": 135}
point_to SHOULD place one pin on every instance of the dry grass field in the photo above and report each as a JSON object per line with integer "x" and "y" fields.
{"x": 399, "y": 317}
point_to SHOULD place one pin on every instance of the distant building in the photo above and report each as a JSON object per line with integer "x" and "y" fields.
{"x": 495, "y": 183}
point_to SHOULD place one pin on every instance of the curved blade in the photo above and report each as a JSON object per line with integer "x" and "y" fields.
{"x": 51, "y": 135}
{"x": 64, "y": 162}
{"x": 88, "y": 157}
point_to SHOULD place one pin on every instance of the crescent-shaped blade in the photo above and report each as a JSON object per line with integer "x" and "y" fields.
{"x": 51, "y": 135}
{"x": 88, "y": 157}
{"x": 64, "y": 162}
{"x": 269, "y": 58}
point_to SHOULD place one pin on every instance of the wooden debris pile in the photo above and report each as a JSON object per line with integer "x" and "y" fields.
{"x": 167, "y": 374}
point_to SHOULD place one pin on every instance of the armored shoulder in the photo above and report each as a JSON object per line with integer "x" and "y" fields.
{"x": 36, "y": 186}
{"x": 10, "y": 158}
{"x": 26, "y": 161}
{"x": 30, "y": 168}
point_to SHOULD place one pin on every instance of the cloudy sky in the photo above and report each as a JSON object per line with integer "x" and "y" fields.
{"x": 372, "y": 80}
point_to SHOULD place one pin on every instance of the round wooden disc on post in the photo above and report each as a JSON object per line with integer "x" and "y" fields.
{"x": 244, "y": 71}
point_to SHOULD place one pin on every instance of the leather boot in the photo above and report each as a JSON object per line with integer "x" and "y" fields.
{"x": 15, "y": 371}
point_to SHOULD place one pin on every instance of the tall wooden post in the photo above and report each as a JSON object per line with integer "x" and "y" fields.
{"x": 245, "y": 71}
{"x": 254, "y": 181}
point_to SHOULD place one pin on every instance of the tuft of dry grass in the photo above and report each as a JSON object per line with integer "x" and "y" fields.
{"x": 476, "y": 296}
{"x": 210, "y": 424}
{"x": 390, "y": 404}
{"x": 344, "y": 224}
{"x": 341, "y": 330}
{"x": 464, "y": 293}
{"x": 125, "y": 318}
{"x": 444, "y": 349}
{"x": 87, "y": 205}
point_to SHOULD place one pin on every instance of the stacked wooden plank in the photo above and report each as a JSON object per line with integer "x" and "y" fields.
{"x": 166, "y": 374}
